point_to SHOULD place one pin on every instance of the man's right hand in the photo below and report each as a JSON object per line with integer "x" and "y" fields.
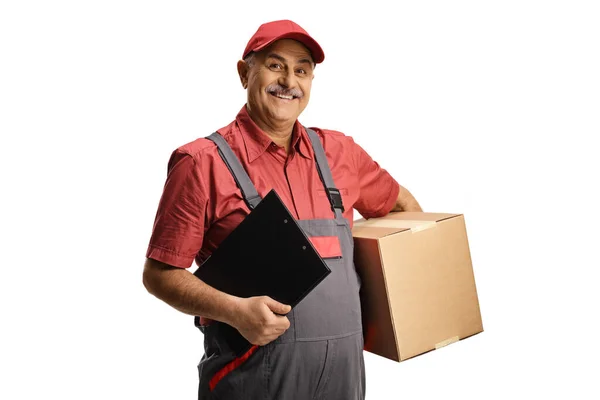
{"x": 257, "y": 319}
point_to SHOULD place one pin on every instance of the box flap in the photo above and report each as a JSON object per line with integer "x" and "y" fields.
{"x": 396, "y": 222}
{"x": 374, "y": 232}
{"x": 418, "y": 216}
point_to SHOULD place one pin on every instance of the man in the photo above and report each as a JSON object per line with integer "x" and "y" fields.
{"x": 314, "y": 350}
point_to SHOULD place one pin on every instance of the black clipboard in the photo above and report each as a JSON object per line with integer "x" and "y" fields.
{"x": 266, "y": 254}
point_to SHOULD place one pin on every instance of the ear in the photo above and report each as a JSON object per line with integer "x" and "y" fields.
{"x": 243, "y": 70}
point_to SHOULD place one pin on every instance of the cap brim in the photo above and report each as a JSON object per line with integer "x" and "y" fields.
{"x": 315, "y": 50}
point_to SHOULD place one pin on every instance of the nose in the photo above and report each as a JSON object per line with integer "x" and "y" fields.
{"x": 287, "y": 79}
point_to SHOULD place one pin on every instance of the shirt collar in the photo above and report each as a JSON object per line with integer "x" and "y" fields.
{"x": 257, "y": 142}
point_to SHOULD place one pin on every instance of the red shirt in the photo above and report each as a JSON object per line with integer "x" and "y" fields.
{"x": 201, "y": 203}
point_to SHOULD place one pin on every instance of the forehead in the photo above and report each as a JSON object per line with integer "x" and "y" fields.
{"x": 289, "y": 49}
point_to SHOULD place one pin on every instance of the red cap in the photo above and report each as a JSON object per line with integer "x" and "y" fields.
{"x": 284, "y": 29}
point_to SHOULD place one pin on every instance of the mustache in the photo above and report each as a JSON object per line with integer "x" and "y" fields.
{"x": 278, "y": 89}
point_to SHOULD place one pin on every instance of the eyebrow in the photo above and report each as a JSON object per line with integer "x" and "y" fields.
{"x": 282, "y": 59}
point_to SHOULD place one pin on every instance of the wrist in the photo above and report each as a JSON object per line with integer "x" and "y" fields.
{"x": 232, "y": 310}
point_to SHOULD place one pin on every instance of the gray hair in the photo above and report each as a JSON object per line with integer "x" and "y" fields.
{"x": 250, "y": 60}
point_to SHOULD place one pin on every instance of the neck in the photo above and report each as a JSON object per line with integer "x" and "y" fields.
{"x": 280, "y": 133}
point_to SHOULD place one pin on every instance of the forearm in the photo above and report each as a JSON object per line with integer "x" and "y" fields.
{"x": 406, "y": 201}
{"x": 183, "y": 291}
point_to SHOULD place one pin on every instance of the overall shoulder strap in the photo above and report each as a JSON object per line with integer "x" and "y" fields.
{"x": 334, "y": 195}
{"x": 240, "y": 175}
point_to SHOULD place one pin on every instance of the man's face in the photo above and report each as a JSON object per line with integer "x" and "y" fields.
{"x": 279, "y": 82}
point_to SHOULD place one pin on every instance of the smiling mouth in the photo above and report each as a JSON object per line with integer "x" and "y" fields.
{"x": 283, "y": 96}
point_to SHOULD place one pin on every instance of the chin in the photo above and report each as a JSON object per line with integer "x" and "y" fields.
{"x": 280, "y": 115}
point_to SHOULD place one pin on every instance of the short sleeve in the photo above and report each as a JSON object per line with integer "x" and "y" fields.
{"x": 378, "y": 190}
{"x": 178, "y": 229}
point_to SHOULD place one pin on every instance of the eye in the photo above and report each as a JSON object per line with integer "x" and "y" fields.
{"x": 275, "y": 66}
{"x": 301, "y": 71}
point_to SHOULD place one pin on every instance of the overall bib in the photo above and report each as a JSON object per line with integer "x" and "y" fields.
{"x": 321, "y": 355}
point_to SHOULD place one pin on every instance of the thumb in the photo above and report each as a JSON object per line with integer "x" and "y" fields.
{"x": 277, "y": 307}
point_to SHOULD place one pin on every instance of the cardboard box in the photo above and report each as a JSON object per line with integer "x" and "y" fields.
{"x": 418, "y": 290}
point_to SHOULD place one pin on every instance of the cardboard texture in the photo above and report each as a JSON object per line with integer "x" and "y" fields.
{"x": 418, "y": 289}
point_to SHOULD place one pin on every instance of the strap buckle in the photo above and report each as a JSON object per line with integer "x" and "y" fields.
{"x": 335, "y": 198}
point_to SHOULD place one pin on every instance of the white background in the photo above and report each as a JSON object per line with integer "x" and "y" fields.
{"x": 490, "y": 109}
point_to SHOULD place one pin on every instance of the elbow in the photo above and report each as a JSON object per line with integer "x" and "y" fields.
{"x": 146, "y": 282}
{"x": 149, "y": 276}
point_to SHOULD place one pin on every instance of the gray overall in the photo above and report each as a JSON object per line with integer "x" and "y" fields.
{"x": 321, "y": 355}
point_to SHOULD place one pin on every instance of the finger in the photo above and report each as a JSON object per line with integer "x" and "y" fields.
{"x": 283, "y": 322}
{"x": 280, "y": 330}
{"x": 281, "y": 326}
{"x": 277, "y": 307}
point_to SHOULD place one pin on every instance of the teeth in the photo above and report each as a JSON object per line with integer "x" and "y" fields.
{"x": 284, "y": 97}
